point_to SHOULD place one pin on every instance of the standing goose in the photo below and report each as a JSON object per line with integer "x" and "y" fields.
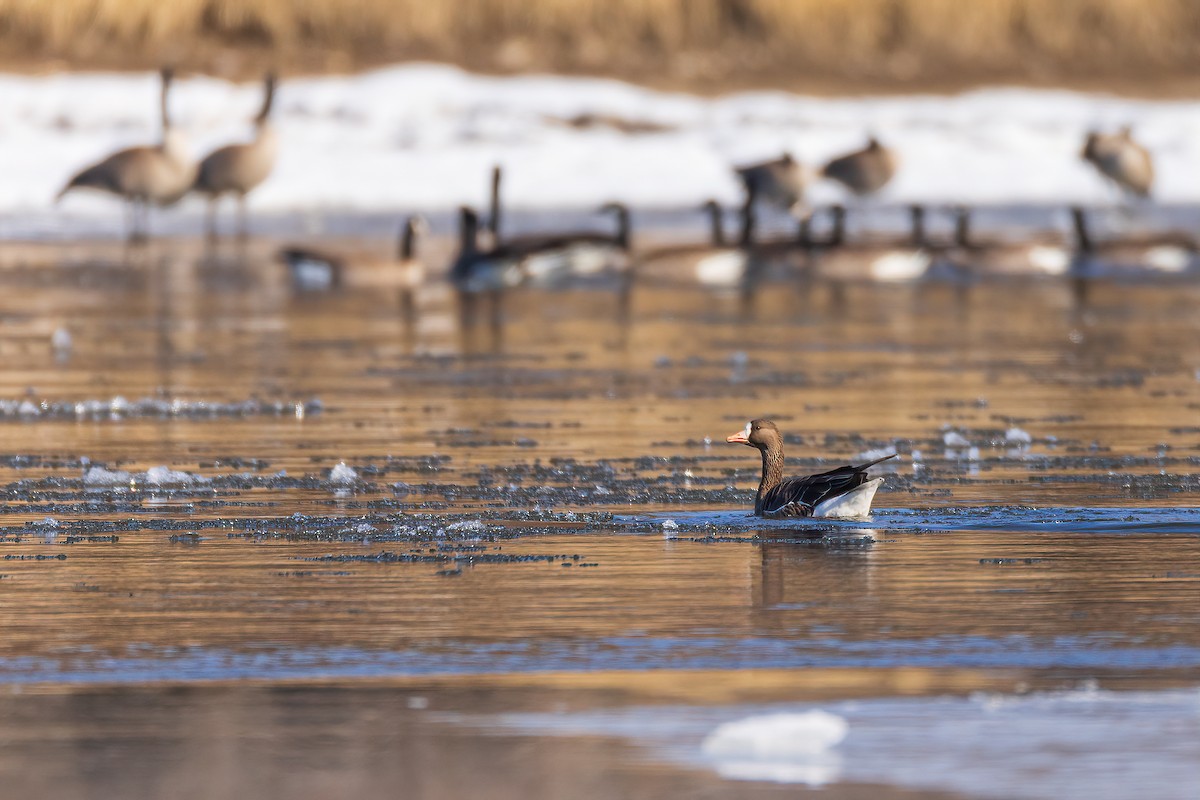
{"x": 152, "y": 174}
{"x": 238, "y": 168}
{"x": 780, "y": 182}
{"x": 1122, "y": 160}
{"x": 865, "y": 171}
{"x": 842, "y": 492}
{"x": 317, "y": 269}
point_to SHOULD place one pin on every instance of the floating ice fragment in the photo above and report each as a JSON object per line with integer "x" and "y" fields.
{"x": 164, "y": 476}
{"x": 785, "y": 747}
{"x": 973, "y": 454}
{"x": 955, "y": 439}
{"x": 343, "y": 474}
{"x": 99, "y": 476}
{"x": 670, "y": 525}
{"x": 1015, "y": 435}
{"x": 60, "y": 340}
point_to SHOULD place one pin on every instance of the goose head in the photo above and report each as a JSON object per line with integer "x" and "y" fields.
{"x": 761, "y": 434}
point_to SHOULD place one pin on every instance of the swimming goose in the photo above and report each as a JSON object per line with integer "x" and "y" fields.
{"x": 864, "y": 171}
{"x": 318, "y": 269}
{"x": 1122, "y": 160}
{"x": 779, "y": 182}
{"x": 153, "y": 174}
{"x": 842, "y": 492}
{"x": 475, "y": 270}
{"x": 238, "y": 168}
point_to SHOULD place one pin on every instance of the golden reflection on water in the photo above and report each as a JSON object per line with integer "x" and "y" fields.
{"x": 1099, "y": 386}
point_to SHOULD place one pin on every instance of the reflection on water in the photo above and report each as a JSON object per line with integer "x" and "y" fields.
{"x": 176, "y": 508}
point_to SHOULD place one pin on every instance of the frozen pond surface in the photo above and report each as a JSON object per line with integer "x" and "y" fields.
{"x": 231, "y": 507}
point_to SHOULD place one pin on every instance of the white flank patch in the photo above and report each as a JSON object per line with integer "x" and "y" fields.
{"x": 1050, "y": 260}
{"x": 724, "y": 268}
{"x": 1167, "y": 258}
{"x": 900, "y": 266}
{"x": 851, "y": 505}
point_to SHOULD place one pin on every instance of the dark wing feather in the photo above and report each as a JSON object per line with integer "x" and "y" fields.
{"x": 798, "y": 496}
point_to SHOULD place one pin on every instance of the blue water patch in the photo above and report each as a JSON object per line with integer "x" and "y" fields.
{"x": 969, "y": 518}
{"x": 184, "y": 664}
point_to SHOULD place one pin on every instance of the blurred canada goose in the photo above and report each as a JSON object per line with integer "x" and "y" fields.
{"x": 905, "y": 260}
{"x": 1122, "y": 160}
{"x": 152, "y": 174}
{"x": 555, "y": 259}
{"x": 318, "y": 269}
{"x": 238, "y": 168}
{"x": 1031, "y": 255}
{"x": 864, "y": 171}
{"x": 475, "y": 270}
{"x": 1166, "y": 252}
{"x": 780, "y": 182}
{"x": 559, "y": 256}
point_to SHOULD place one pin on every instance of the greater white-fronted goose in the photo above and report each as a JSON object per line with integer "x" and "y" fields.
{"x": 142, "y": 176}
{"x": 313, "y": 268}
{"x": 864, "y": 171}
{"x": 780, "y": 182}
{"x": 1122, "y": 160}
{"x": 238, "y": 169}
{"x": 842, "y": 492}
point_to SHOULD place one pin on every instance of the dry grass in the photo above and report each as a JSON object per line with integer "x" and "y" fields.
{"x": 691, "y": 42}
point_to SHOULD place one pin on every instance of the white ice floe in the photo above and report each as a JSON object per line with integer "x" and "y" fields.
{"x": 423, "y": 136}
{"x": 1015, "y": 435}
{"x": 785, "y": 747}
{"x": 955, "y": 439}
{"x": 155, "y": 476}
{"x": 343, "y": 474}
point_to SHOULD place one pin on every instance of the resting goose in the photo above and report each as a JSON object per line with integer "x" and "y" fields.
{"x": 561, "y": 257}
{"x": 1122, "y": 160}
{"x": 312, "y": 268}
{"x": 1167, "y": 252}
{"x": 842, "y": 492}
{"x": 889, "y": 261}
{"x": 238, "y": 169}
{"x": 1032, "y": 255}
{"x": 142, "y": 176}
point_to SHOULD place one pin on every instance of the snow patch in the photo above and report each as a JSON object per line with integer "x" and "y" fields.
{"x": 785, "y": 748}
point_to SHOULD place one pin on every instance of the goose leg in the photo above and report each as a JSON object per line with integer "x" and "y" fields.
{"x": 243, "y": 231}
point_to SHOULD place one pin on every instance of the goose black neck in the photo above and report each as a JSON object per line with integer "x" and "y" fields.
{"x": 494, "y": 208}
{"x": 408, "y": 240}
{"x": 621, "y": 212}
{"x": 772, "y": 473}
{"x": 715, "y": 226}
{"x": 917, "y": 234}
{"x": 1083, "y": 241}
{"x": 746, "y": 235}
{"x": 962, "y": 227}
{"x": 468, "y": 230}
{"x": 268, "y": 99}
{"x": 837, "y": 234}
